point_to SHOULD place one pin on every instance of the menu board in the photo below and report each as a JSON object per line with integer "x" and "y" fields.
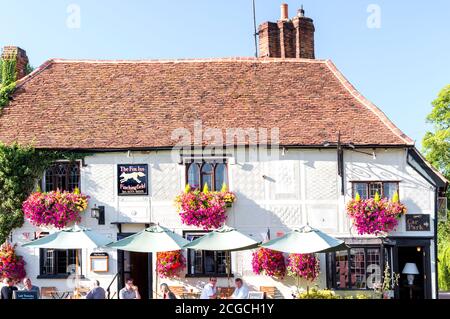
{"x": 418, "y": 222}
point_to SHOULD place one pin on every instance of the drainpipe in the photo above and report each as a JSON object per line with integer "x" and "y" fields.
{"x": 436, "y": 208}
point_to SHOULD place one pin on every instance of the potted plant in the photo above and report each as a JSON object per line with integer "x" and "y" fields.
{"x": 169, "y": 264}
{"x": 11, "y": 265}
{"x": 386, "y": 289}
{"x": 55, "y": 209}
{"x": 204, "y": 209}
{"x": 375, "y": 216}
{"x": 269, "y": 262}
{"x": 305, "y": 266}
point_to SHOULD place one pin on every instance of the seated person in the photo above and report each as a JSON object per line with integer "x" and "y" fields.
{"x": 166, "y": 292}
{"x": 210, "y": 289}
{"x": 96, "y": 292}
{"x": 27, "y": 286}
{"x": 8, "y": 290}
{"x": 241, "y": 291}
{"x": 130, "y": 291}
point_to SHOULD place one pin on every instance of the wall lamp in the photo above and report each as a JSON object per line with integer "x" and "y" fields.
{"x": 98, "y": 213}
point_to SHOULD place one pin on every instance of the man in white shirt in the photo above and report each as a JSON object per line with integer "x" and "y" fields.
{"x": 241, "y": 291}
{"x": 210, "y": 289}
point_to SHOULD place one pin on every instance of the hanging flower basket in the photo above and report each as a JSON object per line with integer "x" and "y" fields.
{"x": 204, "y": 209}
{"x": 57, "y": 209}
{"x": 269, "y": 262}
{"x": 306, "y": 266}
{"x": 11, "y": 265}
{"x": 375, "y": 216}
{"x": 170, "y": 264}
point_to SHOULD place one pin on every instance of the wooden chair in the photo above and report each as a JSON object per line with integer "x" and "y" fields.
{"x": 178, "y": 291}
{"x": 269, "y": 291}
{"x": 46, "y": 292}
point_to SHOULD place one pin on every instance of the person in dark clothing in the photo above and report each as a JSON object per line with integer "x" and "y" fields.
{"x": 166, "y": 292}
{"x": 8, "y": 290}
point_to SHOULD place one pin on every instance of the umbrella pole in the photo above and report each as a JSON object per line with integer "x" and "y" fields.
{"x": 229, "y": 268}
{"x": 77, "y": 262}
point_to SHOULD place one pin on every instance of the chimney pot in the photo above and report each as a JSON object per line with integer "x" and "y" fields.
{"x": 284, "y": 12}
{"x": 301, "y": 12}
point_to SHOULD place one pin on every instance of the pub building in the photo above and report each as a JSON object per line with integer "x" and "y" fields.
{"x": 331, "y": 144}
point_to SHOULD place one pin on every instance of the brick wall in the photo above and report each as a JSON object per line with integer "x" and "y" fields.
{"x": 12, "y": 52}
{"x": 287, "y": 39}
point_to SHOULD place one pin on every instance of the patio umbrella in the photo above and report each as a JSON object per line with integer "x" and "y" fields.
{"x": 224, "y": 239}
{"x": 154, "y": 239}
{"x": 305, "y": 240}
{"x": 75, "y": 237}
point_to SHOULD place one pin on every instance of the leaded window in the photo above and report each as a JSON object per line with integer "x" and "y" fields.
{"x": 212, "y": 173}
{"x": 369, "y": 189}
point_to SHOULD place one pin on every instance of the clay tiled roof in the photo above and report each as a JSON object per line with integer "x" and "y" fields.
{"x": 138, "y": 104}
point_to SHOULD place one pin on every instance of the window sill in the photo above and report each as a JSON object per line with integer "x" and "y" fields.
{"x": 61, "y": 276}
{"x": 208, "y": 275}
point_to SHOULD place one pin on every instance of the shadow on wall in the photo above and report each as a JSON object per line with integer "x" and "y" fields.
{"x": 408, "y": 184}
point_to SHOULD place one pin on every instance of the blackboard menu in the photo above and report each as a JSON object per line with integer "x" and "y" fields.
{"x": 418, "y": 222}
{"x": 132, "y": 179}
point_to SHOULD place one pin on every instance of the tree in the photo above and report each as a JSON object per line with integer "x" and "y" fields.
{"x": 436, "y": 146}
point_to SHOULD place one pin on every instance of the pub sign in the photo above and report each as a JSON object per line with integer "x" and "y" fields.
{"x": 418, "y": 222}
{"x": 132, "y": 179}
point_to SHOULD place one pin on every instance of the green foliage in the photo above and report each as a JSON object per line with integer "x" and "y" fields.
{"x": 7, "y": 80}
{"x": 20, "y": 169}
{"x": 436, "y": 146}
{"x": 444, "y": 256}
{"x": 315, "y": 293}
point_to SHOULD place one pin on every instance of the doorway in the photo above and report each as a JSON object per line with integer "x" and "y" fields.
{"x": 416, "y": 255}
{"x": 136, "y": 266}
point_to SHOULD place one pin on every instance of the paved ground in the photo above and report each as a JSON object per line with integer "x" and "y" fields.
{"x": 444, "y": 295}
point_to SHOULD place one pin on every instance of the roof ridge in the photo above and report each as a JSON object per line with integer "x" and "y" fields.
{"x": 35, "y": 72}
{"x": 190, "y": 60}
{"x": 367, "y": 103}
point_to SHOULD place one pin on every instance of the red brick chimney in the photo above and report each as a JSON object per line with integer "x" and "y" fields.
{"x": 287, "y": 38}
{"x": 18, "y": 54}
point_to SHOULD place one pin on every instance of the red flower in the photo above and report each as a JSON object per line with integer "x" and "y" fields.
{"x": 269, "y": 262}
{"x": 170, "y": 264}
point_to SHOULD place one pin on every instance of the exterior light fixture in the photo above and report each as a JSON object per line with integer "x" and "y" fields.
{"x": 410, "y": 270}
{"x": 98, "y": 213}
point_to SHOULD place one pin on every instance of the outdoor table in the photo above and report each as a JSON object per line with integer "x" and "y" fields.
{"x": 60, "y": 294}
{"x": 191, "y": 295}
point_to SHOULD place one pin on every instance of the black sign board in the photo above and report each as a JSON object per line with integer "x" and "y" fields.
{"x": 418, "y": 222}
{"x": 25, "y": 295}
{"x": 132, "y": 179}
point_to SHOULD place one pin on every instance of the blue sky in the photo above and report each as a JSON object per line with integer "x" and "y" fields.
{"x": 400, "y": 66}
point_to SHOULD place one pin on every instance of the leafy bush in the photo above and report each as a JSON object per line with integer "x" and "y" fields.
{"x": 315, "y": 293}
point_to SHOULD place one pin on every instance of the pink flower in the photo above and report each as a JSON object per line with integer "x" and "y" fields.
{"x": 11, "y": 265}
{"x": 206, "y": 210}
{"x": 305, "y": 266}
{"x": 269, "y": 262}
{"x": 56, "y": 208}
{"x": 375, "y": 217}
